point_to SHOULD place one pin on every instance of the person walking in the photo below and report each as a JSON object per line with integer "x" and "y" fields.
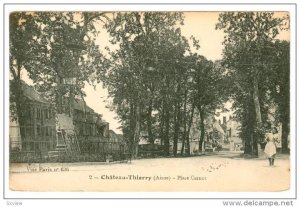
{"x": 270, "y": 148}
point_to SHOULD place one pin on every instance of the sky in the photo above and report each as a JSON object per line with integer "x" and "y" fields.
{"x": 199, "y": 24}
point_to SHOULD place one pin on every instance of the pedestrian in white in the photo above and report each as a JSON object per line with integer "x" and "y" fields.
{"x": 270, "y": 148}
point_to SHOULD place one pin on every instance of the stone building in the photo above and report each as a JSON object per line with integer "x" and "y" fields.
{"x": 85, "y": 127}
{"x": 37, "y": 133}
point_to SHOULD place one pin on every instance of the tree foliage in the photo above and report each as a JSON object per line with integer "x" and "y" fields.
{"x": 155, "y": 81}
{"x": 50, "y": 47}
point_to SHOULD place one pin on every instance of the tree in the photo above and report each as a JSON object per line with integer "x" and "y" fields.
{"x": 143, "y": 70}
{"x": 278, "y": 82}
{"x": 51, "y": 46}
{"x": 57, "y": 51}
{"x": 207, "y": 89}
{"x": 23, "y": 42}
{"x": 248, "y": 35}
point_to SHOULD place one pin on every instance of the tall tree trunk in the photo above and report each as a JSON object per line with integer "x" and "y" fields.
{"x": 250, "y": 123}
{"x": 19, "y": 107}
{"x": 183, "y": 140}
{"x": 137, "y": 129}
{"x": 176, "y": 128}
{"x": 167, "y": 117}
{"x": 18, "y": 100}
{"x": 167, "y": 130}
{"x": 257, "y": 115}
{"x": 202, "y": 132}
{"x": 176, "y": 119}
{"x": 284, "y": 134}
{"x": 149, "y": 122}
{"x": 175, "y": 138}
{"x": 284, "y": 108}
{"x": 256, "y": 101}
{"x": 184, "y": 123}
{"x": 131, "y": 128}
{"x": 59, "y": 95}
{"x": 249, "y": 141}
{"x": 162, "y": 125}
{"x": 189, "y": 129}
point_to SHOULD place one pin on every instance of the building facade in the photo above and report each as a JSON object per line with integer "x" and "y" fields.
{"x": 41, "y": 134}
{"x": 37, "y": 131}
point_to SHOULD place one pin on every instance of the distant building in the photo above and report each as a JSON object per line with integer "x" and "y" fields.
{"x": 233, "y": 134}
{"x": 213, "y": 132}
{"x": 44, "y": 130}
{"x": 144, "y": 138}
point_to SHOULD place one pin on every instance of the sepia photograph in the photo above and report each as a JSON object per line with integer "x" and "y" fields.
{"x": 149, "y": 101}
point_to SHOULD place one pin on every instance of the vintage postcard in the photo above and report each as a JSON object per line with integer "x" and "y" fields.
{"x": 149, "y": 101}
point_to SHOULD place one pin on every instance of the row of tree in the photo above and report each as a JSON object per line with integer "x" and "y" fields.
{"x": 155, "y": 75}
{"x": 259, "y": 66}
{"x": 156, "y": 82}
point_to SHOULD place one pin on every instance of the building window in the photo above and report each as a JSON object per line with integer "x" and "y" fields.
{"x": 42, "y": 113}
{"x": 46, "y": 113}
{"x": 38, "y": 113}
{"x": 84, "y": 129}
{"x": 28, "y": 114}
{"x": 37, "y": 146}
{"x": 93, "y": 130}
{"x": 47, "y": 131}
{"x": 23, "y": 132}
{"x": 50, "y": 113}
{"x": 50, "y": 131}
{"x": 31, "y": 146}
{"x": 31, "y": 113}
{"x": 53, "y": 131}
{"x": 80, "y": 126}
{"x": 28, "y": 131}
{"x": 38, "y": 130}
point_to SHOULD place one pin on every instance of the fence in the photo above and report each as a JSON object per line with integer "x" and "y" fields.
{"x": 95, "y": 151}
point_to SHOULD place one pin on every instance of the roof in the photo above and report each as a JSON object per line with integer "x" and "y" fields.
{"x": 81, "y": 106}
{"x": 112, "y": 132}
{"x": 114, "y": 135}
{"x": 30, "y": 93}
{"x": 33, "y": 95}
{"x": 65, "y": 122}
